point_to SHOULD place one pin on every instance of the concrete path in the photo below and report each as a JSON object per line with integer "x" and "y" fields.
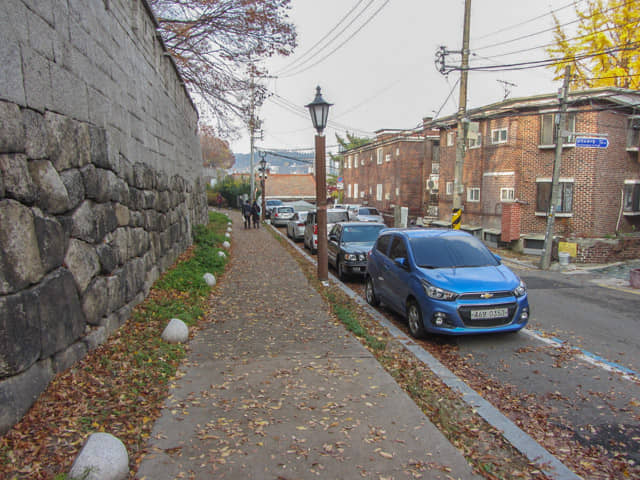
{"x": 274, "y": 388}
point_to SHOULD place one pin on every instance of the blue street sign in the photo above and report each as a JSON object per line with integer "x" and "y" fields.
{"x": 592, "y": 142}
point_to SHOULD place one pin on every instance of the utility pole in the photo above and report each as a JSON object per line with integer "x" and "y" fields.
{"x": 462, "y": 125}
{"x": 252, "y": 131}
{"x": 545, "y": 261}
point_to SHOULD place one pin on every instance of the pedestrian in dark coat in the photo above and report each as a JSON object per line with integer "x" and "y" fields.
{"x": 255, "y": 214}
{"x": 246, "y": 213}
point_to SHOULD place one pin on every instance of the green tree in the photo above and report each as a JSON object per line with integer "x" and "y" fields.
{"x": 230, "y": 188}
{"x": 217, "y": 46}
{"x": 604, "y": 49}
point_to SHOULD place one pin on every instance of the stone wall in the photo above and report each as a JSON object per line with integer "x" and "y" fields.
{"x": 99, "y": 190}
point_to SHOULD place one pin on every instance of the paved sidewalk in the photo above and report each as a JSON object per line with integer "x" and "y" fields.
{"x": 274, "y": 389}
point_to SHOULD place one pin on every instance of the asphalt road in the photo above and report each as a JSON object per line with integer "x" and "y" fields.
{"x": 566, "y": 369}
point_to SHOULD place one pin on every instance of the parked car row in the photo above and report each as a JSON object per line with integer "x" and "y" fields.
{"x": 442, "y": 281}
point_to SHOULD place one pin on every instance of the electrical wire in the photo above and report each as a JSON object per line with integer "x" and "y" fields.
{"x": 293, "y": 65}
{"x": 366, "y": 22}
{"x": 510, "y": 27}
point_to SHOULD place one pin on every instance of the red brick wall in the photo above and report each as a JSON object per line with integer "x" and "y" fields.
{"x": 403, "y": 172}
{"x": 598, "y": 175}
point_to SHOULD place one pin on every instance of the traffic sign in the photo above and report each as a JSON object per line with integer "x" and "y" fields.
{"x": 592, "y": 142}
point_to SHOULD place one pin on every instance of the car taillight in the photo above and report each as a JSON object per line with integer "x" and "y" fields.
{"x": 301, "y": 224}
{"x": 315, "y": 229}
{"x": 276, "y": 215}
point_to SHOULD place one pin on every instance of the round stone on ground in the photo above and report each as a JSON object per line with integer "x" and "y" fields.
{"x": 103, "y": 457}
{"x": 176, "y": 331}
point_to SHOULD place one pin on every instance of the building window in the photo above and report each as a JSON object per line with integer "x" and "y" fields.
{"x": 379, "y": 192}
{"x": 499, "y": 135}
{"x": 543, "y": 197}
{"x": 387, "y": 157}
{"x": 355, "y": 190}
{"x": 379, "y": 156}
{"x": 397, "y": 151}
{"x": 474, "y": 138}
{"x": 450, "y": 137}
{"x": 449, "y": 188}
{"x": 507, "y": 194}
{"x": 362, "y": 161}
{"x": 548, "y": 131}
{"x": 473, "y": 194}
{"x": 349, "y": 190}
{"x": 349, "y": 161}
{"x": 355, "y": 161}
{"x": 397, "y": 192}
{"x": 631, "y": 196}
{"x": 633, "y": 133}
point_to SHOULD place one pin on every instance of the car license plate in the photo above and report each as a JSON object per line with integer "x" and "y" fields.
{"x": 489, "y": 313}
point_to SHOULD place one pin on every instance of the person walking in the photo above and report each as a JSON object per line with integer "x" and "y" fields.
{"x": 255, "y": 214}
{"x": 246, "y": 213}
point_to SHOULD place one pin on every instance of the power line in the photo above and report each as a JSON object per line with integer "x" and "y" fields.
{"x": 366, "y": 22}
{"x": 510, "y": 27}
{"x": 293, "y": 66}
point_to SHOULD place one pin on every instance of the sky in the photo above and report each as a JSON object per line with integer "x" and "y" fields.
{"x": 384, "y": 76}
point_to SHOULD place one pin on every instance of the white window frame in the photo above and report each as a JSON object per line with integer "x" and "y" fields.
{"x": 379, "y": 192}
{"x": 387, "y": 157}
{"x": 397, "y": 192}
{"x": 449, "y": 188}
{"x": 349, "y": 161}
{"x": 379, "y": 156}
{"x": 450, "y": 139}
{"x": 397, "y": 151}
{"x": 507, "y": 194}
{"x": 348, "y": 190}
{"x": 355, "y": 190}
{"x": 499, "y": 131}
{"x": 474, "y": 136}
{"x": 473, "y": 194}
{"x": 355, "y": 161}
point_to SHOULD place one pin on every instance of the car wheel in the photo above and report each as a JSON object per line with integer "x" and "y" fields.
{"x": 340, "y": 269}
{"x": 414, "y": 319}
{"x": 370, "y": 293}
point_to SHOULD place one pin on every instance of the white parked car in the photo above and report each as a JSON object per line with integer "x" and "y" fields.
{"x": 334, "y": 215}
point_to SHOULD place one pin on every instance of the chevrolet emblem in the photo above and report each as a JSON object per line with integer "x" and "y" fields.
{"x": 486, "y": 295}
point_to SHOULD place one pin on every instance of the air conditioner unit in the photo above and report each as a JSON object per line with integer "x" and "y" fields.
{"x": 432, "y": 183}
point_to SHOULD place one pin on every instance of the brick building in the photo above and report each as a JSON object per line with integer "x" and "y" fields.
{"x": 391, "y": 170}
{"x": 510, "y": 159}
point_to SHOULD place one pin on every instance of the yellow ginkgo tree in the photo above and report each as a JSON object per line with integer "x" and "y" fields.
{"x": 604, "y": 48}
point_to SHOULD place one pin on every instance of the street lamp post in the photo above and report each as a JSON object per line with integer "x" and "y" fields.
{"x": 263, "y": 178}
{"x": 319, "y": 110}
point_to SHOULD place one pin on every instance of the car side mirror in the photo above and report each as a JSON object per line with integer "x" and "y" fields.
{"x": 401, "y": 262}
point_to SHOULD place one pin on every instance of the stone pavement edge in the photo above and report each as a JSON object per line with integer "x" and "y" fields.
{"x": 273, "y": 388}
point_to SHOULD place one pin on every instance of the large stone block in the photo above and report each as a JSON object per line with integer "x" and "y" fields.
{"x": 52, "y": 240}
{"x": 62, "y": 147}
{"x": 11, "y": 129}
{"x": 20, "y": 263}
{"x": 18, "y": 393}
{"x": 95, "y": 302}
{"x": 61, "y": 319}
{"x": 37, "y": 79}
{"x": 17, "y": 180}
{"x": 74, "y": 183}
{"x": 35, "y": 134}
{"x": 102, "y": 185}
{"x": 70, "y": 355}
{"x": 91, "y": 221}
{"x": 20, "y": 342}
{"x": 83, "y": 263}
{"x": 12, "y": 84}
{"x": 51, "y": 193}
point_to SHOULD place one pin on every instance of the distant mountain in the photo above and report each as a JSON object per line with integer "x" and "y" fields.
{"x": 283, "y": 161}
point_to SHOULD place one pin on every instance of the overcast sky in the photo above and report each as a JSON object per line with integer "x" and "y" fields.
{"x": 385, "y": 77}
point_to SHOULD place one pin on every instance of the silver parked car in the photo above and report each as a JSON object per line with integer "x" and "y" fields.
{"x": 334, "y": 215}
{"x": 280, "y": 215}
{"x": 367, "y": 214}
{"x": 295, "y": 226}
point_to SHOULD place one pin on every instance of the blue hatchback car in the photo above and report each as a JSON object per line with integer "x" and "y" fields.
{"x": 445, "y": 281}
